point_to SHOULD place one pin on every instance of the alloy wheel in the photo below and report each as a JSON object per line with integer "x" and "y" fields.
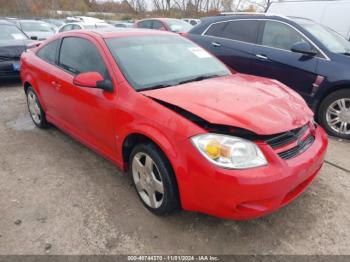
{"x": 338, "y": 116}
{"x": 147, "y": 179}
{"x": 34, "y": 108}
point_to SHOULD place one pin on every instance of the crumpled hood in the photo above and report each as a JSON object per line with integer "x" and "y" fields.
{"x": 258, "y": 104}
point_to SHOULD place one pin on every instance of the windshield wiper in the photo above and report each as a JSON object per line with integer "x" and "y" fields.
{"x": 198, "y": 78}
{"x": 346, "y": 53}
{"x": 154, "y": 87}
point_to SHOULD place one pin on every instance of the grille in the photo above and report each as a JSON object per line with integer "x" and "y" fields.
{"x": 287, "y": 137}
{"x": 300, "y": 148}
{"x": 293, "y": 136}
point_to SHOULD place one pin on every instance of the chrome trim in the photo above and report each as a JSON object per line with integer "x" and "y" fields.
{"x": 325, "y": 57}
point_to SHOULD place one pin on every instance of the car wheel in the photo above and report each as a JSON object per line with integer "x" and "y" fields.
{"x": 35, "y": 110}
{"x": 154, "y": 179}
{"x": 334, "y": 114}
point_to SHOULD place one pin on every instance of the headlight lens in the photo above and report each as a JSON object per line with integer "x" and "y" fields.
{"x": 229, "y": 151}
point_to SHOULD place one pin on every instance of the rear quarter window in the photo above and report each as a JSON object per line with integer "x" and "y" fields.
{"x": 48, "y": 52}
{"x": 240, "y": 30}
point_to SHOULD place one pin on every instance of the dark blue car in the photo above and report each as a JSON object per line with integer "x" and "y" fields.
{"x": 310, "y": 58}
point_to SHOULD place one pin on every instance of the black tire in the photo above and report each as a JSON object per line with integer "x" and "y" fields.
{"x": 171, "y": 201}
{"x": 40, "y": 122}
{"x": 322, "y": 112}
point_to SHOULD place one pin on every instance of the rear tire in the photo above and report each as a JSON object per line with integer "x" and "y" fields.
{"x": 334, "y": 114}
{"x": 35, "y": 110}
{"x": 154, "y": 179}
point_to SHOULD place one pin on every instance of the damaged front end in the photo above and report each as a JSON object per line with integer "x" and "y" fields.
{"x": 286, "y": 144}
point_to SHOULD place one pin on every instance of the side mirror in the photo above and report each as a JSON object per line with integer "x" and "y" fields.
{"x": 303, "y": 48}
{"x": 34, "y": 38}
{"x": 93, "y": 80}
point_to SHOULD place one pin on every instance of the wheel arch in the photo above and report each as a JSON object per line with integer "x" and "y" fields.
{"x": 133, "y": 139}
{"x": 329, "y": 91}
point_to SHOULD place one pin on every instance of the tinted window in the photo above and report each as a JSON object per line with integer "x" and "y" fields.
{"x": 216, "y": 29}
{"x": 145, "y": 24}
{"x": 79, "y": 55}
{"x": 279, "y": 35}
{"x": 48, "y": 52}
{"x": 242, "y": 30}
{"x": 158, "y": 25}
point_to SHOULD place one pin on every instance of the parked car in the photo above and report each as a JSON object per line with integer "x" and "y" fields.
{"x": 191, "y": 133}
{"x": 79, "y": 26}
{"x": 12, "y": 43}
{"x": 124, "y": 24}
{"x": 191, "y": 21}
{"x": 55, "y": 23}
{"x": 308, "y": 57}
{"x": 165, "y": 24}
{"x": 35, "y": 29}
{"x": 333, "y": 14}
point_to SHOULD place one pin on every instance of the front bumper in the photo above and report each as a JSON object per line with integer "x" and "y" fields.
{"x": 7, "y": 69}
{"x": 250, "y": 193}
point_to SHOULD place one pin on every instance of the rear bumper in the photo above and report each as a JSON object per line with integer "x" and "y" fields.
{"x": 250, "y": 193}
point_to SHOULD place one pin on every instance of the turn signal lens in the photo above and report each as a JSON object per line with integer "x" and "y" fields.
{"x": 213, "y": 149}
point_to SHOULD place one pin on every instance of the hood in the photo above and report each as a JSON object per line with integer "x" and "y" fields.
{"x": 257, "y": 104}
{"x": 12, "y": 49}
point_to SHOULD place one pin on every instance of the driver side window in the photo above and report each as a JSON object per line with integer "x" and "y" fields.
{"x": 78, "y": 55}
{"x": 281, "y": 36}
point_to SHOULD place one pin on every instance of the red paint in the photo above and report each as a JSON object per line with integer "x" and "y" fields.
{"x": 103, "y": 120}
{"x": 88, "y": 79}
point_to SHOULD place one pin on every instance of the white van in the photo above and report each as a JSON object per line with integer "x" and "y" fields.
{"x": 334, "y": 14}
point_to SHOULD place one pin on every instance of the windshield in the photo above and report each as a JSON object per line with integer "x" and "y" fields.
{"x": 11, "y": 32}
{"x": 158, "y": 61}
{"x": 35, "y": 26}
{"x": 178, "y": 26}
{"x": 330, "y": 39}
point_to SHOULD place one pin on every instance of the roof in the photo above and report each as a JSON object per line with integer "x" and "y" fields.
{"x": 119, "y": 32}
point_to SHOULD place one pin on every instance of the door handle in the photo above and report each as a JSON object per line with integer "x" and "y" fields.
{"x": 262, "y": 57}
{"x": 56, "y": 85}
{"x": 216, "y": 44}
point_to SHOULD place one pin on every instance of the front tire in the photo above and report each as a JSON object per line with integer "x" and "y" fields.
{"x": 334, "y": 114}
{"x": 154, "y": 179}
{"x": 35, "y": 110}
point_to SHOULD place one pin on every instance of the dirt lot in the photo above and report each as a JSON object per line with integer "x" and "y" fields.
{"x": 58, "y": 197}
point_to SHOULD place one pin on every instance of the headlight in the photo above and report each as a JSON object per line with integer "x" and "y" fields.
{"x": 229, "y": 151}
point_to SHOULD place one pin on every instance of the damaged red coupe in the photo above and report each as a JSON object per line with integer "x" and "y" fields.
{"x": 192, "y": 134}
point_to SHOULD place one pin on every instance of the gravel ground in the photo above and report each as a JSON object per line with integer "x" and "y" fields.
{"x": 58, "y": 197}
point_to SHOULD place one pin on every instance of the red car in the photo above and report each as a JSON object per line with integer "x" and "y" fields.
{"x": 164, "y": 24}
{"x": 192, "y": 134}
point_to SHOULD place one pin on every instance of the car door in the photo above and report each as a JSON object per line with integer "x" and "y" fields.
{"x": 274, "y": 58}
{"x": 84, "y": 112}
{"x": 45, "y": 79}
{"x": 233, "y": 42}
